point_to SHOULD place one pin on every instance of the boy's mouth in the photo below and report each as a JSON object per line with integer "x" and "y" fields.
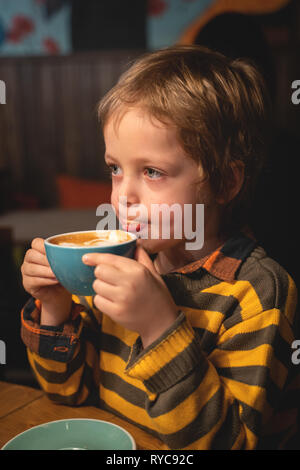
{"x": 132, "y": 226}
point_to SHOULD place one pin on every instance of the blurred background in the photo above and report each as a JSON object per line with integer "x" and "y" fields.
{"x": 59, "y": 57}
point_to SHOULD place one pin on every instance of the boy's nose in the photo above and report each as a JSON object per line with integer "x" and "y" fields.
{"x": 129, "y": 191}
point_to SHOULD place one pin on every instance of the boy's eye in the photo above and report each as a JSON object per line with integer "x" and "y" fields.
{"x": 113, "y": 169}
{"x": 153, "y": 174}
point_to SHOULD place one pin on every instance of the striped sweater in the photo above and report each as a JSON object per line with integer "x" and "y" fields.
{"x": 221, "y": 377}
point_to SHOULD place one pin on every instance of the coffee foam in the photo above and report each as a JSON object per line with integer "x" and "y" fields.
{"x": 105, "y": 239}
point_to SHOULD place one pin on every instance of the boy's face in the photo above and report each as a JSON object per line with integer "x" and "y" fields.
{"x": 149, "y": 167}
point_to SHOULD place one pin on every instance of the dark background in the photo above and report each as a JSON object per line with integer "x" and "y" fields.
{"x": 49, "y": 127}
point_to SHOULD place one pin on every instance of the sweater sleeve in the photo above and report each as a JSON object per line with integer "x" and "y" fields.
{"x": 219, "y": 400}
{"x": 64, "y": 358}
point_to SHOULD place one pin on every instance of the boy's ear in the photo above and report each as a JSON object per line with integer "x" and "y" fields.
{"x": 235, "y": 182}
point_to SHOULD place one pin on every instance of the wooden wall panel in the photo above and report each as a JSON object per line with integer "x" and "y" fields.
{"x": 49, "y": 123}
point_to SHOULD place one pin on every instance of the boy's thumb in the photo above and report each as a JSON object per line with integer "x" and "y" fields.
{"x": 142, "y": 257}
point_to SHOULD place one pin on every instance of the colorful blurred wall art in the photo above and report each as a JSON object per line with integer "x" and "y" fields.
{"x": 179, "y": 21}
{"x": 35, "y": 27}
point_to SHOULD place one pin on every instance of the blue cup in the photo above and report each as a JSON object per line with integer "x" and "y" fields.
{"x": 68, "y": 267}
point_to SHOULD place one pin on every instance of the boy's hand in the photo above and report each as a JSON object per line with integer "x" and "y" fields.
{"x": 132, "y": 293}
{"x": 40, "y": 282}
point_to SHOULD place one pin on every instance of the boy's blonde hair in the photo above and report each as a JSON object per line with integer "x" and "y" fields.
{"x": 217, "y": 105}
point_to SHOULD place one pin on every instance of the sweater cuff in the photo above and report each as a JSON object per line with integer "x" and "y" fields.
{"x": 168, "y": 359}
{"x": 51, "y": 342}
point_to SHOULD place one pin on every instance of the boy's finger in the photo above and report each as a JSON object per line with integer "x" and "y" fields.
{"x": 142, "y": 257}
{"x": 34, "y": 256}
{"x": 107, "y": 273}
{"x": 93, "y": 259}
{"x": 35, "y": 270}
{"x": 38, "y": 244}
{"x": 42, "y": 282}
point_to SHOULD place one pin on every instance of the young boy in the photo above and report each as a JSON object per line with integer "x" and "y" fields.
{"x": 193, "y": 346}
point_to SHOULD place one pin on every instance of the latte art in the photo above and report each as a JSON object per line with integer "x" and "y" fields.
{"x": 89, "y": 239}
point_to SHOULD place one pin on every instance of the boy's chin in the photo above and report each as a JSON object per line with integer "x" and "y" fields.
{"x": 155, "y": 245}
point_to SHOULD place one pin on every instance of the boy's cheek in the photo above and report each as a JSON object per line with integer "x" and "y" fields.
{"x": 113, "y": 201}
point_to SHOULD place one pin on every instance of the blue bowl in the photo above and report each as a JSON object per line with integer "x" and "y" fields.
{"x": 73, "y": 434}
{"x": 68, "y": 267}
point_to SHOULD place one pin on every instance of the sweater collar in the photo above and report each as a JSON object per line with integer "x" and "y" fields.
{"x": 224, "y": 262}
